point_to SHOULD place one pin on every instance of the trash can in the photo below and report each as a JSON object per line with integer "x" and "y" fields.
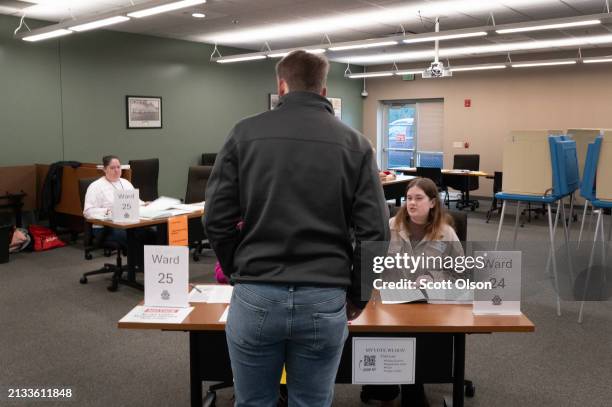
{"x": 4, "y": 243}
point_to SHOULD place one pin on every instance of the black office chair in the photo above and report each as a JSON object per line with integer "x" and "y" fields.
{"x": 463, "y": 183}
{"x": 144, "y": 177}
{"x": 197, "y": 179}
{"x": 434, "y": 174}
{"x": 208, "y": 158}
{"x": 92, "y": 243}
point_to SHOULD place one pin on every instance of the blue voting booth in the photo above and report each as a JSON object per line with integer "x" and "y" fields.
{"x": 565, "y": 181}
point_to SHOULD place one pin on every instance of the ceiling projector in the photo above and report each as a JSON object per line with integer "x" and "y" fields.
{"x": 437, "y": 70}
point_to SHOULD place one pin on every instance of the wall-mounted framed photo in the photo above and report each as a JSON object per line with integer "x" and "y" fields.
{"x": 143, "y": 112}
{"x": 272, "y": 101}
{"x": 336, "y": 103}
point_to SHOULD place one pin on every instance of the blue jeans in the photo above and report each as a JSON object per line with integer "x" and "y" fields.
{"x": 302, "y": 327}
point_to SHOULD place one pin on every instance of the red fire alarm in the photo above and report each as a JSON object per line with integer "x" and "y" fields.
{"x": 466, "y": 145}
{"x": 467, "y": 103}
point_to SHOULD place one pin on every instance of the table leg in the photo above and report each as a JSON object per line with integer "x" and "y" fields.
{"x": 194, "y": 371}
{"x": 132, "y": 255}
{"x": 458, "y": 369}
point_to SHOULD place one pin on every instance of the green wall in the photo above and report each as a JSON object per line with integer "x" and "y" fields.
{"x": 65, "y": 99}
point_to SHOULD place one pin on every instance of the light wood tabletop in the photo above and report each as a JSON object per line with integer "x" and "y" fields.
{"x": 377, "y": 317}
{"x": 141, "y": 223}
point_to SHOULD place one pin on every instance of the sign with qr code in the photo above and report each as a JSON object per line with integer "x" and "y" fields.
{"x": 383, "y": 360}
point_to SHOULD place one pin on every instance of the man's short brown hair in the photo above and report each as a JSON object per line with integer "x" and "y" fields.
{"x": 303, "y": 71}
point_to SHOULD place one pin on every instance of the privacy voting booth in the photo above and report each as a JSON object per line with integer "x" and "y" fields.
{"x": 542, "y": 167}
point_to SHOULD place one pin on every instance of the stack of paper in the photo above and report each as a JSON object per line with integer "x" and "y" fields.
{"x": 211, "y": 293}
{"x": 161, "y": 208}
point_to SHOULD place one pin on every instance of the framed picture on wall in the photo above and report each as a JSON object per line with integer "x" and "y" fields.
{"x": 273, "y": 101}
{"x": 144, "y": 112}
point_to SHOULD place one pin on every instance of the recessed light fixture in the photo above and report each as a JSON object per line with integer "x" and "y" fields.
{"x": 198, "y": 15}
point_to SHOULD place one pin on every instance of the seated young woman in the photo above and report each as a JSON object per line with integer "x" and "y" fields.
{"x": 421, "y": 226}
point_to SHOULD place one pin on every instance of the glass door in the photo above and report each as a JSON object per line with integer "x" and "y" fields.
{"x": 399, "y": 135}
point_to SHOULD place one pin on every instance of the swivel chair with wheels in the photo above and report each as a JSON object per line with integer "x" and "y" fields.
{"x": 434, "y": 174}
{"x": 197, "y": 179}
{"x": 92, "y": 243}
{"x": 144, "y": 177}
{"x": 464, "y": 183}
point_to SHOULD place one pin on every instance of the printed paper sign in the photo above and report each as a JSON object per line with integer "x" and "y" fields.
{"x": 166, "y": 276}
{"x": 178, "y": 232}
{"x": 157, "y": 314}
{"x": 503, "y": 270}
{"x": 383, "y": 360}
{"x": 126, "y": 206}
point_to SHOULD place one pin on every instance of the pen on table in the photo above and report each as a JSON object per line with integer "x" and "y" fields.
{"x": 195, "y": 288}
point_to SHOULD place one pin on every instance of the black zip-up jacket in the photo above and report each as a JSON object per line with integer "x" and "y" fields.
{"x": 300, "y": 180}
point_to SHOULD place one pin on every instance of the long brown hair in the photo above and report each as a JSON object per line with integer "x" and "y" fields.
{"x": 437, "y": 217}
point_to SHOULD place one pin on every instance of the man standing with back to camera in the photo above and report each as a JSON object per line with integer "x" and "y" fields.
{"x": 299, "y": 180}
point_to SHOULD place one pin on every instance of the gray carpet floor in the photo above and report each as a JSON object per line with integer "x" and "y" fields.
{"x": 56, "y": 332}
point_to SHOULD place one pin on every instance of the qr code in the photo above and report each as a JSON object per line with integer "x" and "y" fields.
{"x": 369, "y": 360}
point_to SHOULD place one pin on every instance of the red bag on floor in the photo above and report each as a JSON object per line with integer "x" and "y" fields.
{"x": 44, "y": 238}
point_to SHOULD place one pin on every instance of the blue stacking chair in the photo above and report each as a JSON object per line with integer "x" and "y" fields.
{"x": 564, "y": 163}
{"x": 587, "y": 186}
{"x": 588, "y": 191}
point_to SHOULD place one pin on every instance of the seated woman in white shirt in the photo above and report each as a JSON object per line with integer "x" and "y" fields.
{"x": 101, "y": 194}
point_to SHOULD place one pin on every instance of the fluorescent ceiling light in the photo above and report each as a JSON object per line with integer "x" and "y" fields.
{"x": 542, "y": 63}
{"x": 370, "y": 75}
{"x": 240, "y": 59}
{"x": 100, "y": 23}
{"x": 443, "y": 37}
{"x": 47, "y": 35}
{"x": 409, "y": 72}
{"x": 198, "y": 15}
{"x": 477, "y": 67}
{"x": 363, "y": 46}
{"x": 548, "y": 26}
{"x": 165, "y": 7}
{"x": 310, "y": 51}
{"x": 482, "y": 49}
{"x": 357, "y": 20}
{"x": 597, "y": 60}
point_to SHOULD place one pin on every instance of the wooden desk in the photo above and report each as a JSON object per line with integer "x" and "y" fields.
{"x": 396, "y": 189}
{"x": 455, "y": 173}
{"x": 68, "y": 212}
{"x": 439, "y": 331}
{"x": 449, "y": 171}
{"x": 133, "y": 246}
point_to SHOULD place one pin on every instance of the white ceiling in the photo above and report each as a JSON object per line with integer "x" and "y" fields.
{"x": 332, "y": 17}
